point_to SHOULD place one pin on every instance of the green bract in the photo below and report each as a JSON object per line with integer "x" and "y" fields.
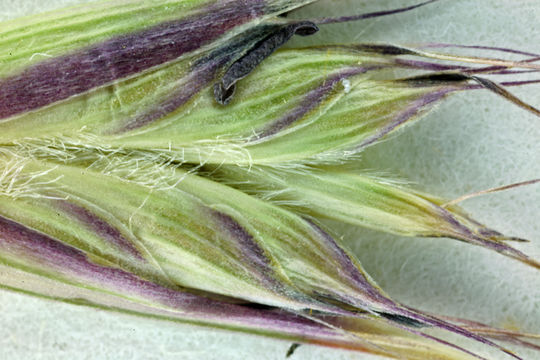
{"x": 286, "y": 111}
{"x": 368, "y": 201}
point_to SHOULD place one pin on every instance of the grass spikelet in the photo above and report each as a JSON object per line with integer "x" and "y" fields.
{"x": 265, "y": 123}
{"x": 366, "y": 201}
{"x": 162, "y": 237}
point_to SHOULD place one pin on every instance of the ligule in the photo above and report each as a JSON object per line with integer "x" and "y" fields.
{"x": 167, "y": 159}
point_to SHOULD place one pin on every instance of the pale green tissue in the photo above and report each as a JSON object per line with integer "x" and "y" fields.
{"x": 473, "y": 141}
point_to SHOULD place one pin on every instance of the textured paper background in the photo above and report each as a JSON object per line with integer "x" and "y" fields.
{"x": 471, "y": 142}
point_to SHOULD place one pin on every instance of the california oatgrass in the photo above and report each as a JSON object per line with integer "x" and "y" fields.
{"x": 168, "y": 159}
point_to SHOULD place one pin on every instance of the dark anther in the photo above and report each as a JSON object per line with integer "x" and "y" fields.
{"x": 224, "y": 90}
{"x": 223, "y": 95}
{"x": 384, "y": 49}
{"x": 443, "y": 77}
{"x": 292, "y": 349}
{"x": 402, "y": 320}
{"x": 437, "y": 79}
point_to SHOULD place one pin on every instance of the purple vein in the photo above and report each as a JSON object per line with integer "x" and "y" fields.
{"x": 100, "y": 227}
{"x": 349, "y": 270}
{"x": 194, "y": 82}
{"x": 252, "y": 252}
{"x": 343, "y": 19}
{"x": 311, "y": 100}
{"x": 477, "y": 47}
{"x": 72, "y": 263}
{"x": 415, "y": 108}
{"x": 123, "y": 56}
